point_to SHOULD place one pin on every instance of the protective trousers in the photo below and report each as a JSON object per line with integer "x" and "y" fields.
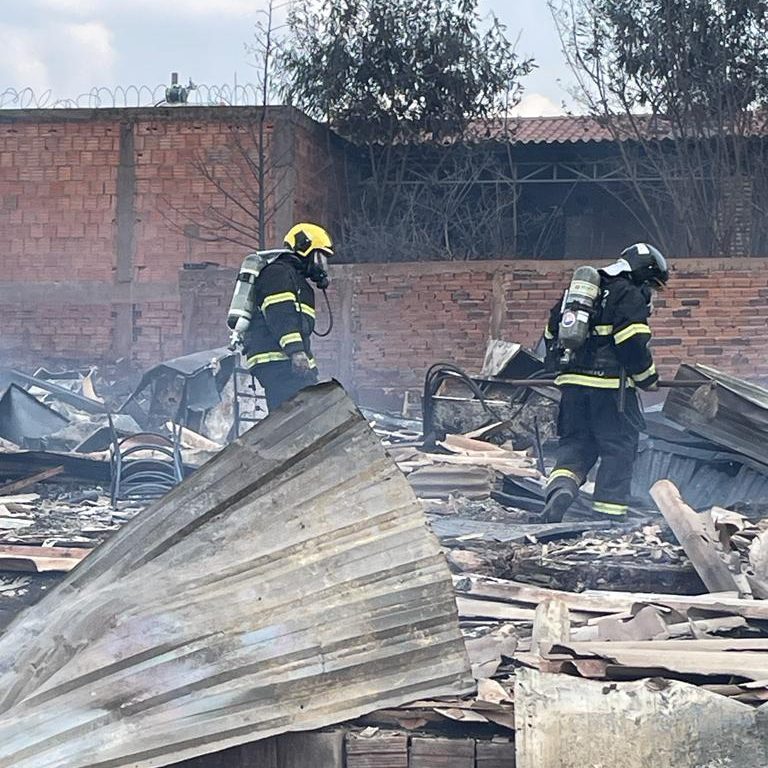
{"x": 280, "y": 382}
{"x": 591, "y": 427}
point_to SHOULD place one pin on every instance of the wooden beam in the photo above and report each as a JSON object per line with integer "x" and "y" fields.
{"x": 551, "y": 625}
{"x": 26, "y": 482}
{"x": 697, "y": 535}
{"x": 17, "y": 557}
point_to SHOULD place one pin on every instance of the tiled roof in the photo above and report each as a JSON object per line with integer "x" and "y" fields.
{"x": 546, "y": 130}
{"x": 559, "y": 130}
{"x": 567, "y": 129}
{"x": 574, "y": 129}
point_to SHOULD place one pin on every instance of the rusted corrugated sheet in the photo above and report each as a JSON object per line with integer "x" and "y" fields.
{"x": 291, "y": 583}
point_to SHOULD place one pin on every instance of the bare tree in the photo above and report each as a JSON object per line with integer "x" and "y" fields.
{"x": 681, "y": 85}
{"x": 246, "y": 172}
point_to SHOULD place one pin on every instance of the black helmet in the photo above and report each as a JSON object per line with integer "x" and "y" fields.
{"x": 647, "y": 264}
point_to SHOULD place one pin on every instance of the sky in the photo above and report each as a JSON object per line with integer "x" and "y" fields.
{"x": 63, "y": 49}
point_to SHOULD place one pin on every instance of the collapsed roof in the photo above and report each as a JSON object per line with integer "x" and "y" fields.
{"x": 291, "y": 583}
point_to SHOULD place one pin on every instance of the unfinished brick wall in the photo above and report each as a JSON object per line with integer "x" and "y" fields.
{"x": 97, "y": 217}
{"x": 393, "y": 321}
{"x": 92, "y": 241}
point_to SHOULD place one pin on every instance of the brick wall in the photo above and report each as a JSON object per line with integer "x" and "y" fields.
{"x": 393, "y": 321}
{"x": 92, "y": 241}
{"x": 93, "y": 210}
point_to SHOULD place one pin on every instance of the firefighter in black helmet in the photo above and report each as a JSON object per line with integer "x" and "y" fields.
{"x": 600, "y": 416}
{"x": 276, "y": 344}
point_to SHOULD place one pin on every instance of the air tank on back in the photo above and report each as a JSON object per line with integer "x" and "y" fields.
{"x": 241, "y": 307}
{"x": 577, "y": 310}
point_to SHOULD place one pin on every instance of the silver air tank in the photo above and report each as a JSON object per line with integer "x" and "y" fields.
{"x": 241, "y": 306}
{"x": 578, "y": 308}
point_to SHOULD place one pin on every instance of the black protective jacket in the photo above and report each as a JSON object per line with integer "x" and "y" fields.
{"x": 284, "y": 313}
{"x": 619, "y": 339}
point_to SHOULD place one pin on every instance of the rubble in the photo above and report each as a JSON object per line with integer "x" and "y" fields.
{"x": 184, "y": 390}
{"x": 666, "y": 609}
{"x": 645, "y": 557}
{"x": 697, "y": 535}
{"x": 234, "y": 611}
{"x": 454, "y": 401}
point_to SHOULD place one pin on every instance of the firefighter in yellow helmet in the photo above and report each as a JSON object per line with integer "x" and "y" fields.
{"x": 272, "y": 314}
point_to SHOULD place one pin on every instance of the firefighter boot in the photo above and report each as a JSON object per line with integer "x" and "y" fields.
{"x": 560, "y": 496}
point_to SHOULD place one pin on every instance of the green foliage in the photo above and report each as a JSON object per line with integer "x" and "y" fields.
{"x": 386, "y": 70}
{"x": 683, "y": 87}
{"x": 699, "y": 57}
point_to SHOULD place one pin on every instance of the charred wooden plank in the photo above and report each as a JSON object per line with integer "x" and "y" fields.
{"x": 697, "y": 536}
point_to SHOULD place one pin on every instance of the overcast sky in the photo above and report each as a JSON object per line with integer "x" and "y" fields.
{"x": 61, "y": 49}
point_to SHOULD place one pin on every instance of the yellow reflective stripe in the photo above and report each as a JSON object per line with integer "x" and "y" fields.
{"x": 266, "y": 357}
{"x": 603, "y": 330}
{"x": 290, "y": 338}
{"x": 562, "y": 472}
{"x": 609, "y": 509}
{"x": 548, "y": 334}
{"x": 277, "y": 298}
{"x": 274, "y": 357}
{"x": 584, "y": 380}
{"x": 646, "y": 374}
{"x": 307, "y": 310}
{"x": 630, "y": 331}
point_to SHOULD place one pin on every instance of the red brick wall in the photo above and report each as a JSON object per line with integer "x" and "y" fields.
{"x": 57, "y": 186}
{"x": 393, "y": 321}
{"x": 89, "y": 262}
{"x": 92, "y": 236}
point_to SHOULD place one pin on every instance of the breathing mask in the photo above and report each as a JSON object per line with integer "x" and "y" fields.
{"x": 317, "y": 269}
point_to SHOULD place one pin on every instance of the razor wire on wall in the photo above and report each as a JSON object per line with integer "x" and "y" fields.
{"x": 134, "y": 96}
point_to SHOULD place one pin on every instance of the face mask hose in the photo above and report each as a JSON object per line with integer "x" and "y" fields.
{"x": 330, "y": 315}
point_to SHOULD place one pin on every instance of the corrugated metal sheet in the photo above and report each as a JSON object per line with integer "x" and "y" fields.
{"x": 704, "y": 478}
{"x": 440, "y": 482}
{"x": 291, "y": 583}
{"x": 738, "y": 418}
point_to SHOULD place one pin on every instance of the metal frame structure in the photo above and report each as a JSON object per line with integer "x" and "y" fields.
{"x": 144, "y": 465}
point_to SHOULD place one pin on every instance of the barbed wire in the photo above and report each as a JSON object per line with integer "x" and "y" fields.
{"x": 237, "y": 95}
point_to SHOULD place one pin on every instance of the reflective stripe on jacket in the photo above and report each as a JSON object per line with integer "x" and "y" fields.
{"x": 284, "y": 315}
{"x": 619, "y": 339}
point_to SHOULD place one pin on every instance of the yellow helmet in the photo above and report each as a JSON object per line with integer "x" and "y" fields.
{"x": 305, "y": 238}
